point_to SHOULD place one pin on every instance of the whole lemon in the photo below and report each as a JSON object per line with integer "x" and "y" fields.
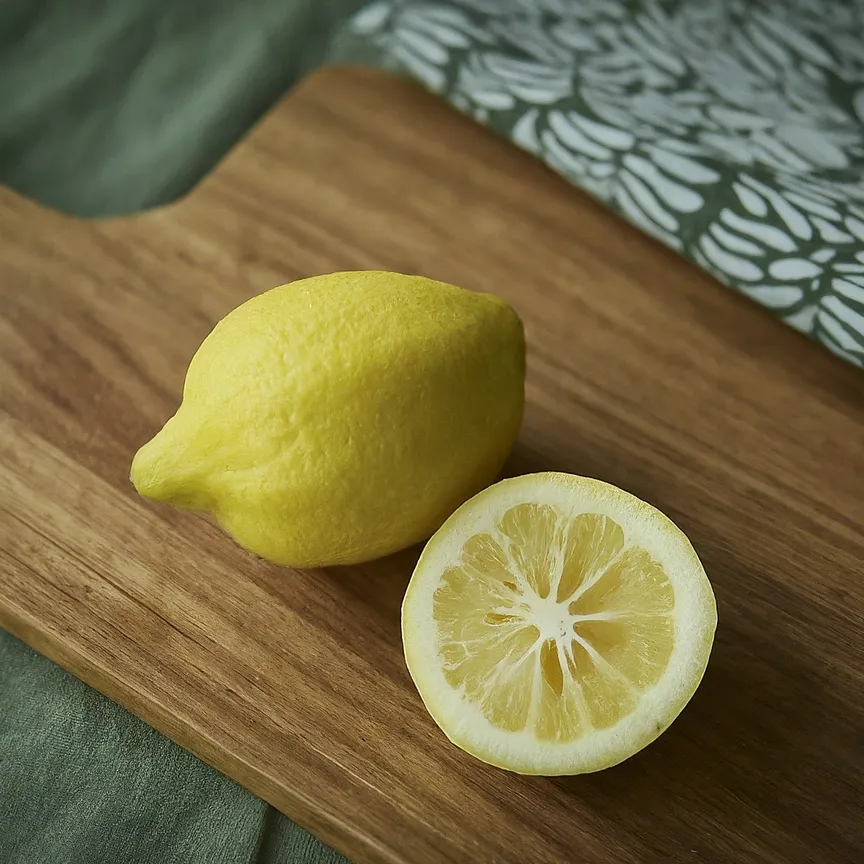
{"x": 340, "y": 418}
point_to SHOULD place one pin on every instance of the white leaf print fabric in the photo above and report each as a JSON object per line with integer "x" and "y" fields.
{"x": 731, "y": 130}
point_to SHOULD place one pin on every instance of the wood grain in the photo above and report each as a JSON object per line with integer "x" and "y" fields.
{"x": 642, "y": 371}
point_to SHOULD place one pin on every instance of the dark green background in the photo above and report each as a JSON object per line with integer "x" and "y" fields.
{"x": 112, "y": 106}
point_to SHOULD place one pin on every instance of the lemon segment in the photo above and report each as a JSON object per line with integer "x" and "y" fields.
{"x": 556, "y": 624}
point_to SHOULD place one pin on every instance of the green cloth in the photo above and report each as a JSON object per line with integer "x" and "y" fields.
{"x": 84, "y": 782}
{"x": 731, "y": 130}
{"x": 113, "y": 106}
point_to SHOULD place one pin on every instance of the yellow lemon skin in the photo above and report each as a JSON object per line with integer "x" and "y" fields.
{"x": 340, "y": 418}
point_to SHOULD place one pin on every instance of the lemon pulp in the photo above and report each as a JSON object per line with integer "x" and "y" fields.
{"x": 557, "y": 624}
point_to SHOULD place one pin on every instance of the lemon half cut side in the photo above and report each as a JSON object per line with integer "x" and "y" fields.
{"x": 557, "y": 624}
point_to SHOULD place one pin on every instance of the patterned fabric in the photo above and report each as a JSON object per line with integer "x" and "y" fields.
{"x": 732, "y": 130}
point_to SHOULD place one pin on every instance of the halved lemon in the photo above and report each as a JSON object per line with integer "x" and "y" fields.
{"x": 557, "y": 624}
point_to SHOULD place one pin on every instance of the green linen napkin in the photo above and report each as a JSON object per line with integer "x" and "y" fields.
{"x": 82, "y": 781}
{"x": 731, "y": 130}
{"x": 114, "y": 106}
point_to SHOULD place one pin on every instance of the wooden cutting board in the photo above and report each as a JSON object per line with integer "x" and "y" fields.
{"x": 642, "y": 371}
